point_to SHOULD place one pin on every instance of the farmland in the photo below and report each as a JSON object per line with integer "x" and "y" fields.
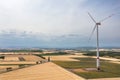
{"x": 17, "y": 61}
{"x": 75, "y": 63}
{"x": 109, "y": 70}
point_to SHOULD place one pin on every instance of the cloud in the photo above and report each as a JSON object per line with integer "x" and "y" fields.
{"x": 51, "y": 19}
{"x": 26, "y": 39}
{"x": 42, "y": 15}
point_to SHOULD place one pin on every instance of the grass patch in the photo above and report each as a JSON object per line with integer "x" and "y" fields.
{"x": 109, "y": 69}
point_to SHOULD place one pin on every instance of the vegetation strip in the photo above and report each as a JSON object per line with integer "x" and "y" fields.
{"x": 104, "y": 53}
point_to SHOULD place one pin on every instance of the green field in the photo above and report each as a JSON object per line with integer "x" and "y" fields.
{"x": 109, "y": 70}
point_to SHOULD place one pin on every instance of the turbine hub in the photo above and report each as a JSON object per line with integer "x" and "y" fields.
{"x": 98, "y": 23}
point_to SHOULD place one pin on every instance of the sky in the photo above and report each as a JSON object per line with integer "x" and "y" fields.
{"x": 58, "y": 23}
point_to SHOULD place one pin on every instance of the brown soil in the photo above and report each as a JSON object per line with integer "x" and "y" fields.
{"x": 79, "y": 70}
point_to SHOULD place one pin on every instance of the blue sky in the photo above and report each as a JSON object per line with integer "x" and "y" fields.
{"x": 58, "y": 23}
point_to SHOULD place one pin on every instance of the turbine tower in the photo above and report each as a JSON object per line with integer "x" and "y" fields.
{"x": 97, "y": 24}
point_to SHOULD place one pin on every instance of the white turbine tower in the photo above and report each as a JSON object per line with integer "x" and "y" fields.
{"x": 97, "y": 24}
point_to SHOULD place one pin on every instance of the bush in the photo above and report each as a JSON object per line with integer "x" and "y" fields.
{"x": 2, "y": 57}
{"x": 40, "y": 56}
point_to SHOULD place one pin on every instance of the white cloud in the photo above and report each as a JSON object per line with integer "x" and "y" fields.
{"x": 45, "y": 16}
{"x": 55, "y": 17}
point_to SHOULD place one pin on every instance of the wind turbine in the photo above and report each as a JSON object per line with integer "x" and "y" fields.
{"x": 97, "y": 24}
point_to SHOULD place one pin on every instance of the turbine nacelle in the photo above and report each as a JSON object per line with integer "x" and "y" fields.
{"x": 98, "y": 23}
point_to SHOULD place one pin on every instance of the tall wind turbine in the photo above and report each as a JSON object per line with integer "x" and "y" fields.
{"x": 97, "y": 24}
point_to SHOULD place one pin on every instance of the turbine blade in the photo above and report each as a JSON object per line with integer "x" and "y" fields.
{"x": 92, "y": 32}
{"x": 91, "y": 17}
{"x": 107, "y": 17}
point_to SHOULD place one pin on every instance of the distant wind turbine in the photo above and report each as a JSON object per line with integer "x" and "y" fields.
{"x": 97, "y": 24}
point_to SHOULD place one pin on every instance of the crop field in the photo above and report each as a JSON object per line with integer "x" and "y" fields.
{"x": 11, "y": 58}
{"x": 15, "y": 57}
{"x": 32, "y": 58}
{"x": 14, "y": 61}
{"x": 61, "y": 58}
{"x": 108, "y": 70}
{"x": 73, "y": 63}
{"x": 3, "y": 66}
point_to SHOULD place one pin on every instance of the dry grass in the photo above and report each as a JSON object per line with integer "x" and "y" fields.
{"x": 12, "y": 66}
{"x": 79, "y": 70}
{"x": 26, "y": 57}
{"x": 11, "y": 58}
{"x": 17, "y": 63}
{"x": 64, "y": 57}
{"x": 31, "y": 58}
{"x": 14, "y": 62}
{"x": 46, "y": 71}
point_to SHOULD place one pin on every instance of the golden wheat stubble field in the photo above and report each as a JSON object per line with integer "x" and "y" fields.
{"x": 13, "y": 61}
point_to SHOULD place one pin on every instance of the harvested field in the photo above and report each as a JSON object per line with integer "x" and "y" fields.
{"x": 4, "y": 67}
{"x": 31, "y": 58}
{"x": 18, "y": 61}
{"x": 64, "y": 57}
{"x": 11, "y": 58}
{"x": 46, "y": 71}
{"x": 106, "y": 79}
{"x": 25, "y": 57}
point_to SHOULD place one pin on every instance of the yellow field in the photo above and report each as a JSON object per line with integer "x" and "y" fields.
{"x": 12, "y": 61}
{"x": 31, "y": 58}
{"x": 64, "y": 57}
{"x": 4, "y": 67}
{"x": 46, "y": 71}
{"x": 11, "y": 58}
{"x": 15, "y": 57}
